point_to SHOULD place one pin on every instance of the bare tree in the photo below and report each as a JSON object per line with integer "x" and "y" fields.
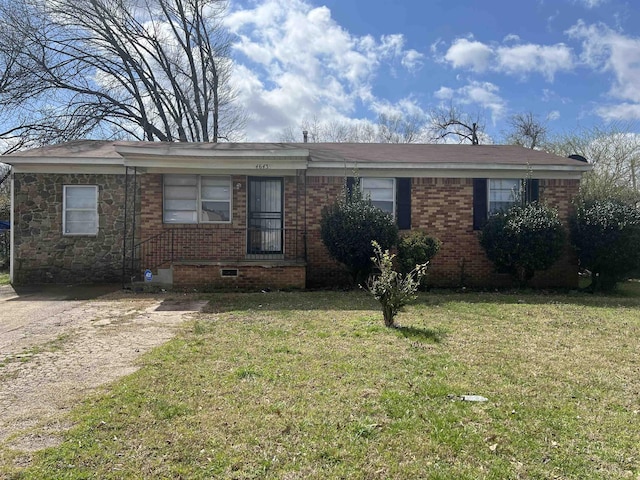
{"x": 396, "y": 128}
{"x": 614, "y": 151}
{"x": 452, "y": 123}
{"x": 153, "y": 69}
{"x": 526, "y": 130}
{"x": 391, "y": 128}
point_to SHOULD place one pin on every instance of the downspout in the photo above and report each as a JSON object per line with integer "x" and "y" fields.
{"x": 124, "y": 233}
{"x": 12, "y": 229}
{"x": 133, "y": 231}
{"x": 305, "y": 218}
{"x": 305, "y": 136}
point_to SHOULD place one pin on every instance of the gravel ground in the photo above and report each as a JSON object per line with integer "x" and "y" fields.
{"x": 60, "y": 343}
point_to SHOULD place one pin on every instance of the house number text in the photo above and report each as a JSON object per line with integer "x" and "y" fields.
{"x": 263, "y": 166}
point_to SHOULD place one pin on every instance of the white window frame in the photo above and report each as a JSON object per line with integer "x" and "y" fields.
{"x": 367, "y": 193}
{"x": 199, "y": 199}
{"x": 515, "y": 201}
{"x": 66, "y": 209}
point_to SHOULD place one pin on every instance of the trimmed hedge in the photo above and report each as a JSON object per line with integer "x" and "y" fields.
{"x": 348, "y": 227}
{"x": 606, "y": 236}
{"x": 523, "y": 240}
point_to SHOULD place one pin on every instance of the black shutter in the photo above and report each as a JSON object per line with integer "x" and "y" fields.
{"x": 479, "y": 202}
{"x": 533, "y": 190}
{"x": 403, "y": 202}
{"x": 350, "y": 183}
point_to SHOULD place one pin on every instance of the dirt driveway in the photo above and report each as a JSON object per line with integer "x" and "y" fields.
{"x": 59, "y": 343}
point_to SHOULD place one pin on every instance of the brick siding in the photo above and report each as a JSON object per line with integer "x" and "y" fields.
{"x": 443, "y": 207}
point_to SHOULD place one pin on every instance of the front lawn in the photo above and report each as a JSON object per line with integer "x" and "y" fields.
{"x": 4, "y": 278}
{"x": 311, "y": 385}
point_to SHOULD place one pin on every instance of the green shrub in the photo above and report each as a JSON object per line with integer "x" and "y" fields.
{"x": 523, "y": 240}
{"x": 416, "y": 248}
{"x": 392, "y": 289}
{"x": 606, "y": 236}
{"x": 348, "y": 227}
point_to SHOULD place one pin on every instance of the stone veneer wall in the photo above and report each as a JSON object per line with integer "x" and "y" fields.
{"x": 43, "y": 254}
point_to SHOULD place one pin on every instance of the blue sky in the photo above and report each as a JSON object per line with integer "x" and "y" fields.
{"x": 573, "y": 63}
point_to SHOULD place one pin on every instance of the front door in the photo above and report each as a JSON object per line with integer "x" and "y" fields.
{"x": 264, "y": 232}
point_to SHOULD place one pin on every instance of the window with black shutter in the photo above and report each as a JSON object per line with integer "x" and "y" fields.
{"x": 493, "y": 195}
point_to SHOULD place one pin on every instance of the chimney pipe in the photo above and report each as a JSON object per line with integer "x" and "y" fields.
{"x": 305, "y": 135}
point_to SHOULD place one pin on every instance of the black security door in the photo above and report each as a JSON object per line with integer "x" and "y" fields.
{"x": 265, "y": 233}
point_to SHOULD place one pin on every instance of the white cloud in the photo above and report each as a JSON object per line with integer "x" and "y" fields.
{"x": 484, "y": 95}
{"x": 407, "y": 106}
{"x": 464, "y": 53}
{"x": 529, "y": 58}
{"x": 553, "y": 115}
{"x": 551, "y": 96}
{"x": 444, "y": 93}
{"x": 511, "y": 58}
{"x": 607, "y": 50}
{"x": 590, "y": 3}
{"x": 412, "y": 60}
{"x": 623, "y": 111}
{"x": 300, "y": 63}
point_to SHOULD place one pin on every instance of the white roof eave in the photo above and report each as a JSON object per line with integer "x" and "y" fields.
{"x": 449, "y": 166}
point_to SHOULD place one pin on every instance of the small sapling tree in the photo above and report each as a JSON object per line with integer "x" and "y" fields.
{"x": 392, "y": 289}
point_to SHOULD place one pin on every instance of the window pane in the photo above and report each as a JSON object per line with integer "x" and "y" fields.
{"x": 215, "y": 182}
{"x": 180, "y": 199}
{"x": 80, "y": 209}
{"x": 81, "y": 216}
{"x": 79, "y": 221}
{"x": 80, "y": 197}
{"x": 193, "y": 198}
{"x": 369, "y": 183}
{"x": 180, "y": 193}
{"x": 384, "y": 206}
{"x": 180, "y": 205}
{"x": 215, "y": 212}
{"x": 381, "y": 191}
{"x": 215, "y": 193}
{"x": 503, "y": 194}
{"x": 183, "y": 180}
{"x": 380, "y": 194}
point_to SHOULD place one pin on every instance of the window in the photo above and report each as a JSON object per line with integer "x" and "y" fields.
{"x": 382, "y": 193}
{"x": 503, "y": 193}
{"x": 195, "y": 198}
{"x": 80, "y": 210}
{"x": 493, "y": 195}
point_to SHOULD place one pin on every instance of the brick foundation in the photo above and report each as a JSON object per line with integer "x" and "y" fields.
{"x": 252, "y": 277}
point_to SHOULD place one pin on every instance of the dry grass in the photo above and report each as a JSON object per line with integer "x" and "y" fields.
{"x": 311, "y": 385}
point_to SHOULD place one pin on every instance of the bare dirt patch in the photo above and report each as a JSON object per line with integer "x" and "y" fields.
{"x": 54, "y": 351}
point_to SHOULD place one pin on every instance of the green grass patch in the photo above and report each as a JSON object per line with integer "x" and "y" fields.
{"x": 4, "y": 278}
{"x": 29, "y": 353}
{"x": 311, "y": 385}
